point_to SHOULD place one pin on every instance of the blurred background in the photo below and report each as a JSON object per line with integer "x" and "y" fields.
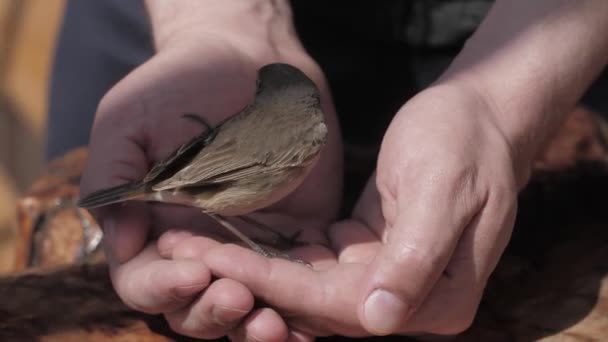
{"x": 27, "y": 36}
{"x": 562, "y": 213}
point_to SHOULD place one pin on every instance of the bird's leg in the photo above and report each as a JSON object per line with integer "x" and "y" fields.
{"x": 281, "y": 241}
{"x": 240, "y": 235}
{"x": 201, "y": 120}
{"x": 254, "y": 246}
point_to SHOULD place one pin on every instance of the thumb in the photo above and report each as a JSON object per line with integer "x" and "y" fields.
{"x": 116, "y": 157}
{"x": 420, "y": 238}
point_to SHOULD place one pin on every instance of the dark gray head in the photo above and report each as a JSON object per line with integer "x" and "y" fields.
{"x": 279, "y": 79}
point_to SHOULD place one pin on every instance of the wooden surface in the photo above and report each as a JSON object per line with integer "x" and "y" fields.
{"x": 27, "y": 34}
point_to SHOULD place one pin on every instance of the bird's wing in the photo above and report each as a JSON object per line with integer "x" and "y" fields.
{"x": 179, "y": 157}
{"x": 240, "y": 173}
{"x": 214, "y": 165}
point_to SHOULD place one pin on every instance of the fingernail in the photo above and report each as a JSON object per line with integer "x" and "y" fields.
{"x": 384, "y": 312}
{"x": 224, "y": 315}
{"x": 188, "y": 291}
{"x": 296, "y": 336}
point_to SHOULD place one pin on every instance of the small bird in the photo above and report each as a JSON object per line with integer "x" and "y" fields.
{"x": 247, "y": 162}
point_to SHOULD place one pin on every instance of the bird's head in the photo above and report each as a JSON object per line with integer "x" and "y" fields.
{"x": 284, "y": 80}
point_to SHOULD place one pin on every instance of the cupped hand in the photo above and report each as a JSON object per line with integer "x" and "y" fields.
{"x": 443, "y": 207}
{"x": 422, "y": 241}
{"x": 138, "y": 123}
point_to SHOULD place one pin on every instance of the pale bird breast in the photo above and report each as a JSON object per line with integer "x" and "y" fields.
{"x": 253, "y": 193}
{"x": 320, "y": 132}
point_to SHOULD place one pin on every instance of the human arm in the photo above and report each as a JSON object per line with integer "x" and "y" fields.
{"x": 434, "y": 220}
{"x": 207, "y": 57}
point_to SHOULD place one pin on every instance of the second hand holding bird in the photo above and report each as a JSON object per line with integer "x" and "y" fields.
{"x": 247, "y": 162}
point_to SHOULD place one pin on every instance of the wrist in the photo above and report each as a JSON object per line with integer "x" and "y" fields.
{"x": 478, "y": 109}
{"x": 263, "y": 29}
{"x": 526, "y": 122}
{"x": 530, "y": 63}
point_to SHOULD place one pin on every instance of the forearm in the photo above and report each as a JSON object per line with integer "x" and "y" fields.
{"x": 532, "y": 61}
{"x": 252, "y": 24}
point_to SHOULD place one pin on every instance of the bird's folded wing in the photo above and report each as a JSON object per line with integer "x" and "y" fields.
{"x": 180, "y": 157}
{"x": 214, "y": 166}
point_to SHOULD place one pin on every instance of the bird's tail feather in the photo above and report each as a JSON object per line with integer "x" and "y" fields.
{"x": 115, "y": 194}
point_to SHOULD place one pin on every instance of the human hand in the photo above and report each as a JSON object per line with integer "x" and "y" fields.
{"x": 423, "y": 238}
{"x": 433, "y": 222}
{"x": 138, "y": 123}
{"x": 443, "y": 205}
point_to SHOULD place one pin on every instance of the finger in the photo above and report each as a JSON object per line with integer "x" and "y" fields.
{"x": 368, "y": 209}
{"x": 353, "y": 242}
{"x": 115, "y": 158}
{"x": 194, "y": 248}
{"x": 262, "y": 325}
{"x": 153, "y": 285}
{"x": 219, "y": 310}
{"x": 356, "y": 240}
{"x": 167, "y": 242}
{"x": 116, "y": 155}
{"x": 319, "y": 256}
{"x": 125, "y": 229}
{"x": 297, "y": 336}
{"x": 421, "y": 235}
{"x": 330, "y": 297}
{"x": 451, "y": 306}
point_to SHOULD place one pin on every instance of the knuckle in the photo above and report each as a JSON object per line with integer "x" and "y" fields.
{"x": 188, "y": 250}
{"x": 503, "y": 193}
{"x": 176, "y": 324}
{"x": 193, "y": 323}
{"x": 460, "y": 318}
{"x": 424, "y": 262}
{"x": 135, "y": 295}
{"x": 134, "y": 305}
{"x": 457, "y": 324}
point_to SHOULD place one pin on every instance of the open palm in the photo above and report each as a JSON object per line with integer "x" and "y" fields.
{"x": 139, "y": 122}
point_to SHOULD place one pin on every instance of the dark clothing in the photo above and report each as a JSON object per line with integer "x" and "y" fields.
{"x": 102, "y": 41}
{"x": 376, "y": 55}
{"x": 99, "y": 43}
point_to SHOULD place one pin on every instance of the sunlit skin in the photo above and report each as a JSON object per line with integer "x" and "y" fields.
{"x": 428, "y": 230}
{"x": 248, "y": 162}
